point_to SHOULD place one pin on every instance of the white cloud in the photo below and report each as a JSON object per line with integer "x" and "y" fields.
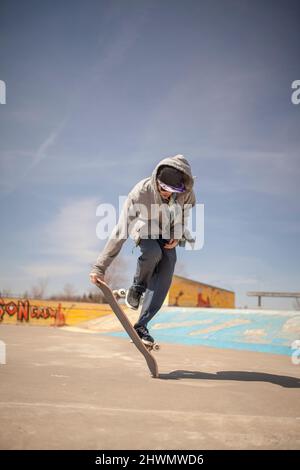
{"x": 72, "y": 232}
{"x": 68, "y": 242}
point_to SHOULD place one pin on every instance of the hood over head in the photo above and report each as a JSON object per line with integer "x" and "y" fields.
{"x": 180, "y": 163}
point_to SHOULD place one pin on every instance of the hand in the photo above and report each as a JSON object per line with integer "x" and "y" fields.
{"x": 95, "y": 277}
{"x": 171, "y": 244}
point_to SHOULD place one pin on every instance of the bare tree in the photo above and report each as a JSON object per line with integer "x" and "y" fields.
{"x": 116, "y": 275}
{"x": 68, "y": 292}
{"x": 39, "y": 289}
{"x": 6, "y": 293}
{"x": 95, "y": 296}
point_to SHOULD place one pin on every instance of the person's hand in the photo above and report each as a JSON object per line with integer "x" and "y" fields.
{"x": 95, "y": 277}
{"x": 171, "y": 244}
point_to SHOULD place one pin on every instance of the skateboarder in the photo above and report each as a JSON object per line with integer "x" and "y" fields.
{"x": 170, "y": 186}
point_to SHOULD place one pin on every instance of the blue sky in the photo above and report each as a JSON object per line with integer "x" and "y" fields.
{"x": 99, "y": 91}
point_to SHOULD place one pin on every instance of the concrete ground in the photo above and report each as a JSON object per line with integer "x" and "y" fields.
{"x": 65, "y": 389}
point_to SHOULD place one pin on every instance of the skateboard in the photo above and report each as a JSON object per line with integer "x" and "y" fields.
{"x": 118, "y": 311}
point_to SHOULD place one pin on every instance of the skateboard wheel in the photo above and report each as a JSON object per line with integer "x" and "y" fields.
{"x": 119, "y": 293}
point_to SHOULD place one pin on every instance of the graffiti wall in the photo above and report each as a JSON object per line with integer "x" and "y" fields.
{"x": 13, "y": 310}
{"x": 187, "y": 293}
{"x": 48, "y": 313}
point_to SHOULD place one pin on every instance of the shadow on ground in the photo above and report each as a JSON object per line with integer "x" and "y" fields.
{"x": 241, "y": 376}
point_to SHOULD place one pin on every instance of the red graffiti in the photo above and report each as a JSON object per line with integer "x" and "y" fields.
{"x": 23, "y": 311}
{"x": 202, "y": 302}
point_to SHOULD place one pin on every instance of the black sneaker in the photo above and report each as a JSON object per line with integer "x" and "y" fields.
{"x": 133, "y": 297}
{"x": 144, "y": 334}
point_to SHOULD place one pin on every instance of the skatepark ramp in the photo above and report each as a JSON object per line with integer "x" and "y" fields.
{"x": 271, "y": 331}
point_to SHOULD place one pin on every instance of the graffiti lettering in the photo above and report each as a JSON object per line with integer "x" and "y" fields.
{"x": 23, "y": 311}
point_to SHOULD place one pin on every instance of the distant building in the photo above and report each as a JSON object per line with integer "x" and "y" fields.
{"x": 187, "y": 293}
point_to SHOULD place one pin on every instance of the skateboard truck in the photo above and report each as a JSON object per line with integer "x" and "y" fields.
{"x": 120, "y": 293}
{"x": 150, "y": 346}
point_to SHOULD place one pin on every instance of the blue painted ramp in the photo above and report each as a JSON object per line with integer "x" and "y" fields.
{"x": 268, "y": 331}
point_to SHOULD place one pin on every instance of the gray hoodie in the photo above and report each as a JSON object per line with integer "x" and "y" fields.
{"x": 136, "y": 222}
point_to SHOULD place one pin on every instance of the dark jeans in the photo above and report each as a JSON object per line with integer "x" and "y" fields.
{"x": 155, "y": 268}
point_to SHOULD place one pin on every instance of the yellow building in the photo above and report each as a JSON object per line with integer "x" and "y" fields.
{"x": 187, "y": 293}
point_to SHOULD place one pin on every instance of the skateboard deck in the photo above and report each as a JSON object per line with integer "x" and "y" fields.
{"x": 118, "y": 311}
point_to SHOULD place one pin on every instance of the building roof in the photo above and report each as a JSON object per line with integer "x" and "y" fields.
{"x": 203, "y": 283}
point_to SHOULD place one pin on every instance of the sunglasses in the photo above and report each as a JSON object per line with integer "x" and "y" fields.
{"x": 170, "y": 189}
